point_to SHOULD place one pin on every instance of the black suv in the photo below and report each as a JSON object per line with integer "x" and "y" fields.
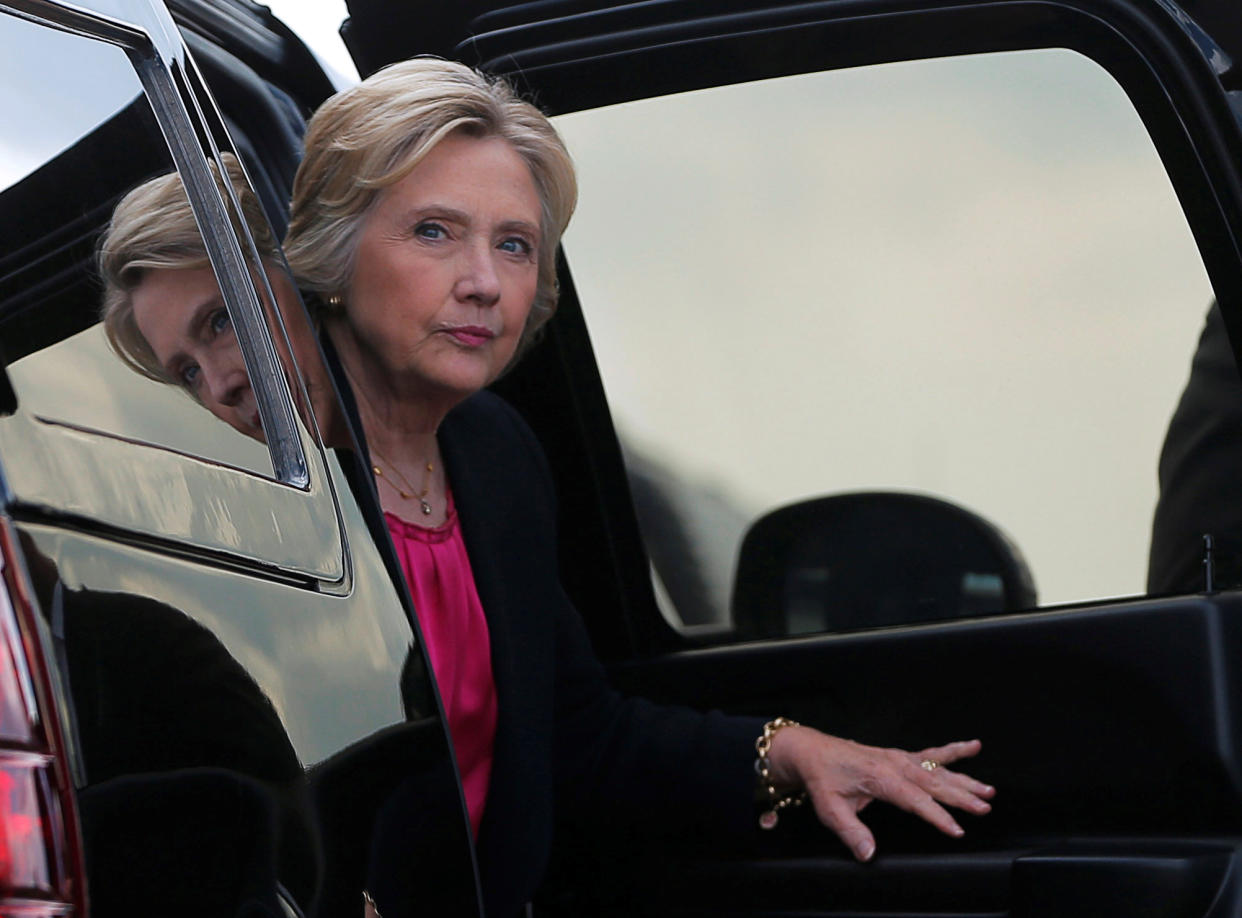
{"x": 895, "y": 305}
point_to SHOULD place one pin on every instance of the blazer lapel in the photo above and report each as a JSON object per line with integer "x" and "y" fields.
{"x": 466, "y": 462}
{"x": 466, "y": 467}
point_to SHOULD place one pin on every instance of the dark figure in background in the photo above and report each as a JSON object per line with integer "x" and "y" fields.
{"x": 1200, "y": 488}
{"x": 1200, "y": 480}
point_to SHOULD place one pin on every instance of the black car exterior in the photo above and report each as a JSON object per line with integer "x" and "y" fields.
{"x": 215, "y": 700}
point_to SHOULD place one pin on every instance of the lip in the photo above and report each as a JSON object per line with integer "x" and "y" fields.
{"x": 470, "y": 335}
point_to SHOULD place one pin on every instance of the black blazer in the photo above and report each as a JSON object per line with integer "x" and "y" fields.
{"x": 566, "y": 744}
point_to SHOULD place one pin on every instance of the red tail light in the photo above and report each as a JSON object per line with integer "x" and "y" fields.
{"x": 40, "y": 849}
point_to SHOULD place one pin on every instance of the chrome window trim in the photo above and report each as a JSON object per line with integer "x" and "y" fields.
{"x": 157, "y": 69}
{"x": 266, "y": 377}
{"x": 80, "y": 21}
{"x": 98, "y": 480}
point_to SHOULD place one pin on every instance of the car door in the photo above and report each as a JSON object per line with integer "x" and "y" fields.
{"x": 228, "y": 705}
{"x": 873, "y": 261}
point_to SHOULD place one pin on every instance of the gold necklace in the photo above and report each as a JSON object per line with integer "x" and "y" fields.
{"x": 411, "y": 494}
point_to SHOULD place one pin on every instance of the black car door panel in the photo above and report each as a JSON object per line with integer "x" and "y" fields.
{"x": 1111, "y": 735}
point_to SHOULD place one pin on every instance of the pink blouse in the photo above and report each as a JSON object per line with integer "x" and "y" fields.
{"x": 438, "y": 573}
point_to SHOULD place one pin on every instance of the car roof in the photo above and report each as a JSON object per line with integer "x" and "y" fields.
{"x": 379, "y": 32}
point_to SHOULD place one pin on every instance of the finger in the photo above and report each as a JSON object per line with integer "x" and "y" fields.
{"x": 955, "y": 790}
{"x": 951, "y": 781}
{"x": 953, "y": 752}
{"x": 969, "y": 785}
{"x": 905, "y": 788}
{"x": 839, "y": 816}
{"x": 942, "y": 755}
{"x": 917, "y": 801}
{"x": 940, "y": 781}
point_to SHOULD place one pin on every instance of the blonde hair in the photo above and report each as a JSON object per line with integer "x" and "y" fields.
{"x": 371, "y": 136}
{"x": 153, "y": 227}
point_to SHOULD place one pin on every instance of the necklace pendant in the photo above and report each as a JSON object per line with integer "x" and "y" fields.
{"x": 426, "y": 506}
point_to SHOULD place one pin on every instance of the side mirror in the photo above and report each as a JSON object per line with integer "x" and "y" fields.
{"x": 867, "y": 560}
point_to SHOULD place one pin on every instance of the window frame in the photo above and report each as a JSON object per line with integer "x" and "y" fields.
{"x": 1164, "y": 65}
{"x": 288, "y": 526}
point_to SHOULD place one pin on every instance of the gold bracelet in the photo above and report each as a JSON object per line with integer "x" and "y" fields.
{"x": 775, "y": 800}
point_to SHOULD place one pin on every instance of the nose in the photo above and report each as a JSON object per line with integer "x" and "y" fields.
{"x": 226, "y": 382}
{"x": 479, "y": 280}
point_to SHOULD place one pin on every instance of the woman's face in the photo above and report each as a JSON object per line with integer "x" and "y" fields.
{"x": 182, "y": 316}
{"x": 446, "y": 271}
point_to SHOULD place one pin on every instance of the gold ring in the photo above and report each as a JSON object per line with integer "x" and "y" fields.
{"x": 929, "y": 765}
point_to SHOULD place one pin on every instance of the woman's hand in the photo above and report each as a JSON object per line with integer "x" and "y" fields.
{"x": 841, "y": 777}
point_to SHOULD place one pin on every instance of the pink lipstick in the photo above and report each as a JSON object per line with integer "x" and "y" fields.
{"x": 471, "y": 335}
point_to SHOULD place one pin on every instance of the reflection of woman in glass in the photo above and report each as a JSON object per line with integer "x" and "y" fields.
{"x": 380, "y": 802}
{"x": 426, "y": 217}
{"x": 163, "y": 312}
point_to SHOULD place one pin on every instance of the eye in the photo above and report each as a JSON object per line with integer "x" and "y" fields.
{"x": 189, "y": 376}
{"x": 430, "y": 230}
{"x": 516, "y": 245}
{"x": 218, "y": 321}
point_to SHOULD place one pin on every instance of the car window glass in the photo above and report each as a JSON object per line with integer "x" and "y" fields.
{"x": 74, "y": 141}
{"x": 290, "y": 326}
{"x": 966, "y": 279}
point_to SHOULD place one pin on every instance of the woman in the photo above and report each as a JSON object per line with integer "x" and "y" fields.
{"x": 164, "y": 316}
{"x": 426, "y": 216}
